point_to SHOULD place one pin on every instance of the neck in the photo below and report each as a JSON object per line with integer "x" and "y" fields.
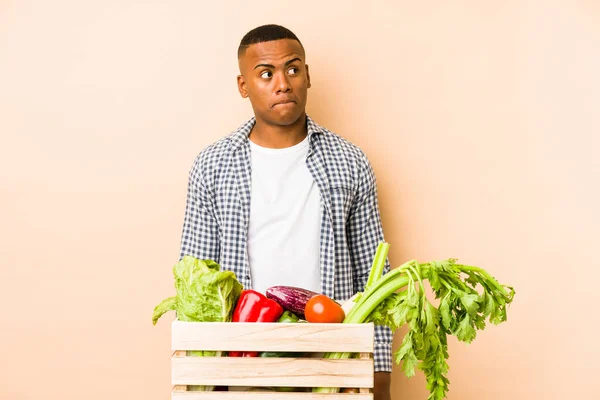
{"x": 277, "y": 136}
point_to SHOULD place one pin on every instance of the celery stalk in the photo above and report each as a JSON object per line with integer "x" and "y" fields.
{"x": 378, "y": 263}
{"x": 358, "y": 314}
{"x": 377, "y": 292}
{"x": 462, "y": 311}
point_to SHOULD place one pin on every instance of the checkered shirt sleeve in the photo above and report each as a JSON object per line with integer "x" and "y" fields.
{"x": 200, "y": 236}
{"x": 364, "y": 230}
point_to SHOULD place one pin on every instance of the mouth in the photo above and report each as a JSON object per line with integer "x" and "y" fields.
{"x": 284, "y": 103}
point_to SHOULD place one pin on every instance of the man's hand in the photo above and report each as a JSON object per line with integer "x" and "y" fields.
{"x": 381, "y": 391}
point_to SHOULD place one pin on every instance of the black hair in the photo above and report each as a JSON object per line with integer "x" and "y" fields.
{"x": 265, "y": 33}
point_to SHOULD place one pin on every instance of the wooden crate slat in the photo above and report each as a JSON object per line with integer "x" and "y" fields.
{"x": 217, "y": 336}
{"x": 294, "y": 372}
{"x": 269, "y": 396}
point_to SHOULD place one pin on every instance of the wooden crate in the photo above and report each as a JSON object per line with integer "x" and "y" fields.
{"x": 264, "y": 372}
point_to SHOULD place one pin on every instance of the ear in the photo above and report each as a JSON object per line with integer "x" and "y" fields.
{"x": 307, "y": 75}
{"x": 241, "y": 82}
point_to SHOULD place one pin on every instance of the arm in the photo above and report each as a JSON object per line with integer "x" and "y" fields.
{"x": 364, "y": 232}
{"x": 381, "y": 391}
{"x": 200, "y": 236}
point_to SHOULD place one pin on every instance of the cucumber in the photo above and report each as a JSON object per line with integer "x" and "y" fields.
{"x": 280, "y": 354}
{"x": 287, "y": 317}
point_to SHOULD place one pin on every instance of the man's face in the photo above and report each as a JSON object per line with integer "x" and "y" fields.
{"x": 275, "y": 78}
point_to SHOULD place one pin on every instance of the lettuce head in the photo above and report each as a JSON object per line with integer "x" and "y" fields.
{"x": 204, "y": 292}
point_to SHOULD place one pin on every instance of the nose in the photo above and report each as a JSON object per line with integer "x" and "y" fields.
{"x": 283, "y": 83}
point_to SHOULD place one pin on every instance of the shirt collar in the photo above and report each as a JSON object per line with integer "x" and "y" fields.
{"x": 240, "y": 136}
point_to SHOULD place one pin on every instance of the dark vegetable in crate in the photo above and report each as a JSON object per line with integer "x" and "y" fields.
{"x": 291, "y": 298}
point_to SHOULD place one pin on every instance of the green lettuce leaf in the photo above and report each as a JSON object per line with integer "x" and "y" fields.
{"x": 204, "y": 292}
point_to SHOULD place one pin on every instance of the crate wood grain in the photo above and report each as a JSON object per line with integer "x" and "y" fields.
{"x": 259, "y": 371}
{"x": 247, "y": 336}
{"x": 272, "y": 372}
{"x": 268, "y": 396}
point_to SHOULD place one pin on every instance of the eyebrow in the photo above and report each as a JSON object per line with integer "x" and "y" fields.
{"x": 285, "y": 65}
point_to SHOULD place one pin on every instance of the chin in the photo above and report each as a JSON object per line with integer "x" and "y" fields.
{"x": 285, "y": 119}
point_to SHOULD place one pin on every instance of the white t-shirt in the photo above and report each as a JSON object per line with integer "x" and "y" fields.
{"x": 285, "y": 219}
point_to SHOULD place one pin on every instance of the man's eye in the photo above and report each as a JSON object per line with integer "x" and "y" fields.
{"x": 293, "y": 71}
{"x": 266, "y": 75}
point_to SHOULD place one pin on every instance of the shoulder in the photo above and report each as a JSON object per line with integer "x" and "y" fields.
{"x": 209, "y": 160}
{"x": 217, "y": 155}
{"x": 340, "y": 151}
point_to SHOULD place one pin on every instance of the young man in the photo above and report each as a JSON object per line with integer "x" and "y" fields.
{"x": 282, "y": 200}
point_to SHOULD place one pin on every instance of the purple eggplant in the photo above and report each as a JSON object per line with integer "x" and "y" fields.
{"x": 291, "y": 298}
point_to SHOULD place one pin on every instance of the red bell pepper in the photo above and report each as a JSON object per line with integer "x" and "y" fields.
{"x": 253, "y": 306}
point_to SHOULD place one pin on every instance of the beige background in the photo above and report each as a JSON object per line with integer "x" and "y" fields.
{"x": 481, "y": 119}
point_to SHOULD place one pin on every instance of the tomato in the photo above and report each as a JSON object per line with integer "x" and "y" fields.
{"x": 321, "y": 308}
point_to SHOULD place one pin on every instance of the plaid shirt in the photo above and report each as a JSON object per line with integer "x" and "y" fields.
{"x": 218, "y": 211}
